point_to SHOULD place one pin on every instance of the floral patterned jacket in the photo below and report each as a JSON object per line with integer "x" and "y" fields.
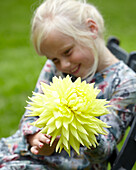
{"x": 118, "y": 85}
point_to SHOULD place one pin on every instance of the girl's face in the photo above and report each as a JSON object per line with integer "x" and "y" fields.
{"x": 68, "y": 56}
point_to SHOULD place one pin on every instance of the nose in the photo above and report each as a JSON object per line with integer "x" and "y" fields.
{"x": 65, "y": 63}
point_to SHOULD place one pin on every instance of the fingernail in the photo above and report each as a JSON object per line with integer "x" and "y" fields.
{"x": 49, "y": 136}
{"x": 48, "y": 141}
{"x": 41, "y": 145}
{"x": 36, "y": 152}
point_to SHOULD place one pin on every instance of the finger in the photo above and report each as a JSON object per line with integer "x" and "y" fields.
{"x": 34, "y": 150}
{"x": 58, "y": 137}
{"x": 44, "y": 139}
{"x": 48, "y": 136}
{"x": 40, "y": 145}
{"x": 36, "y": 142}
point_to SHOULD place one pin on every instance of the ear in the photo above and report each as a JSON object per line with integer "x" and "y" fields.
{"x": 91, "y": 24}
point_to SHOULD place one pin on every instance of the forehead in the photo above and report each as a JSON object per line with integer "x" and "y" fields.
{"x": 56, "y": 41}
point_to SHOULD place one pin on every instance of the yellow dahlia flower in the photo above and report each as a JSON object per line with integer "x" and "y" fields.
{"x": 70, "y": 110}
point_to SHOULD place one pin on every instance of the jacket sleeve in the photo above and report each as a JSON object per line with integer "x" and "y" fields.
{"x": 46, "y": 76}
{"x": 20, "y": 145}
{"x": 123, "y": 102}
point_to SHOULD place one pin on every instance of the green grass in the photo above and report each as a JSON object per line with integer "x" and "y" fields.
{"x": 20, "y": 65}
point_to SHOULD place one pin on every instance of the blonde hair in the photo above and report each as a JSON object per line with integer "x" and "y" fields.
{"x": 69, "y": 17}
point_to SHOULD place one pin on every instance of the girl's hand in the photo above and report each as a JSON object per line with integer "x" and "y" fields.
{"x": 40, "y": 144}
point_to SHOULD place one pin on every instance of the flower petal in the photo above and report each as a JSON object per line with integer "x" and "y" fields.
{"x": 70, "y": 110}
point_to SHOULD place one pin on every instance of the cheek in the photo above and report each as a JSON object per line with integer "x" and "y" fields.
{"x": 89, "y": 57}
{"x": 77, "y": 57}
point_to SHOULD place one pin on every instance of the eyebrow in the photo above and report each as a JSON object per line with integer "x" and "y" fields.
{"x": 66, "y": 47}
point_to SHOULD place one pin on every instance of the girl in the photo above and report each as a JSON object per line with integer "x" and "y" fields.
{"x": 70, "y": 34}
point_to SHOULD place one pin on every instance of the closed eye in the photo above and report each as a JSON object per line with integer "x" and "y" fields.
{"x": 68, "y": 52}
{"x": 55, "y": 60}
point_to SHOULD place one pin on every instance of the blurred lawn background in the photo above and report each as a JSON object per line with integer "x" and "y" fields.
{"x": 20, "y": 65}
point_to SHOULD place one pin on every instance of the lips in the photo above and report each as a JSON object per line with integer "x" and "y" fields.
{"x": 75, "y": 70}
